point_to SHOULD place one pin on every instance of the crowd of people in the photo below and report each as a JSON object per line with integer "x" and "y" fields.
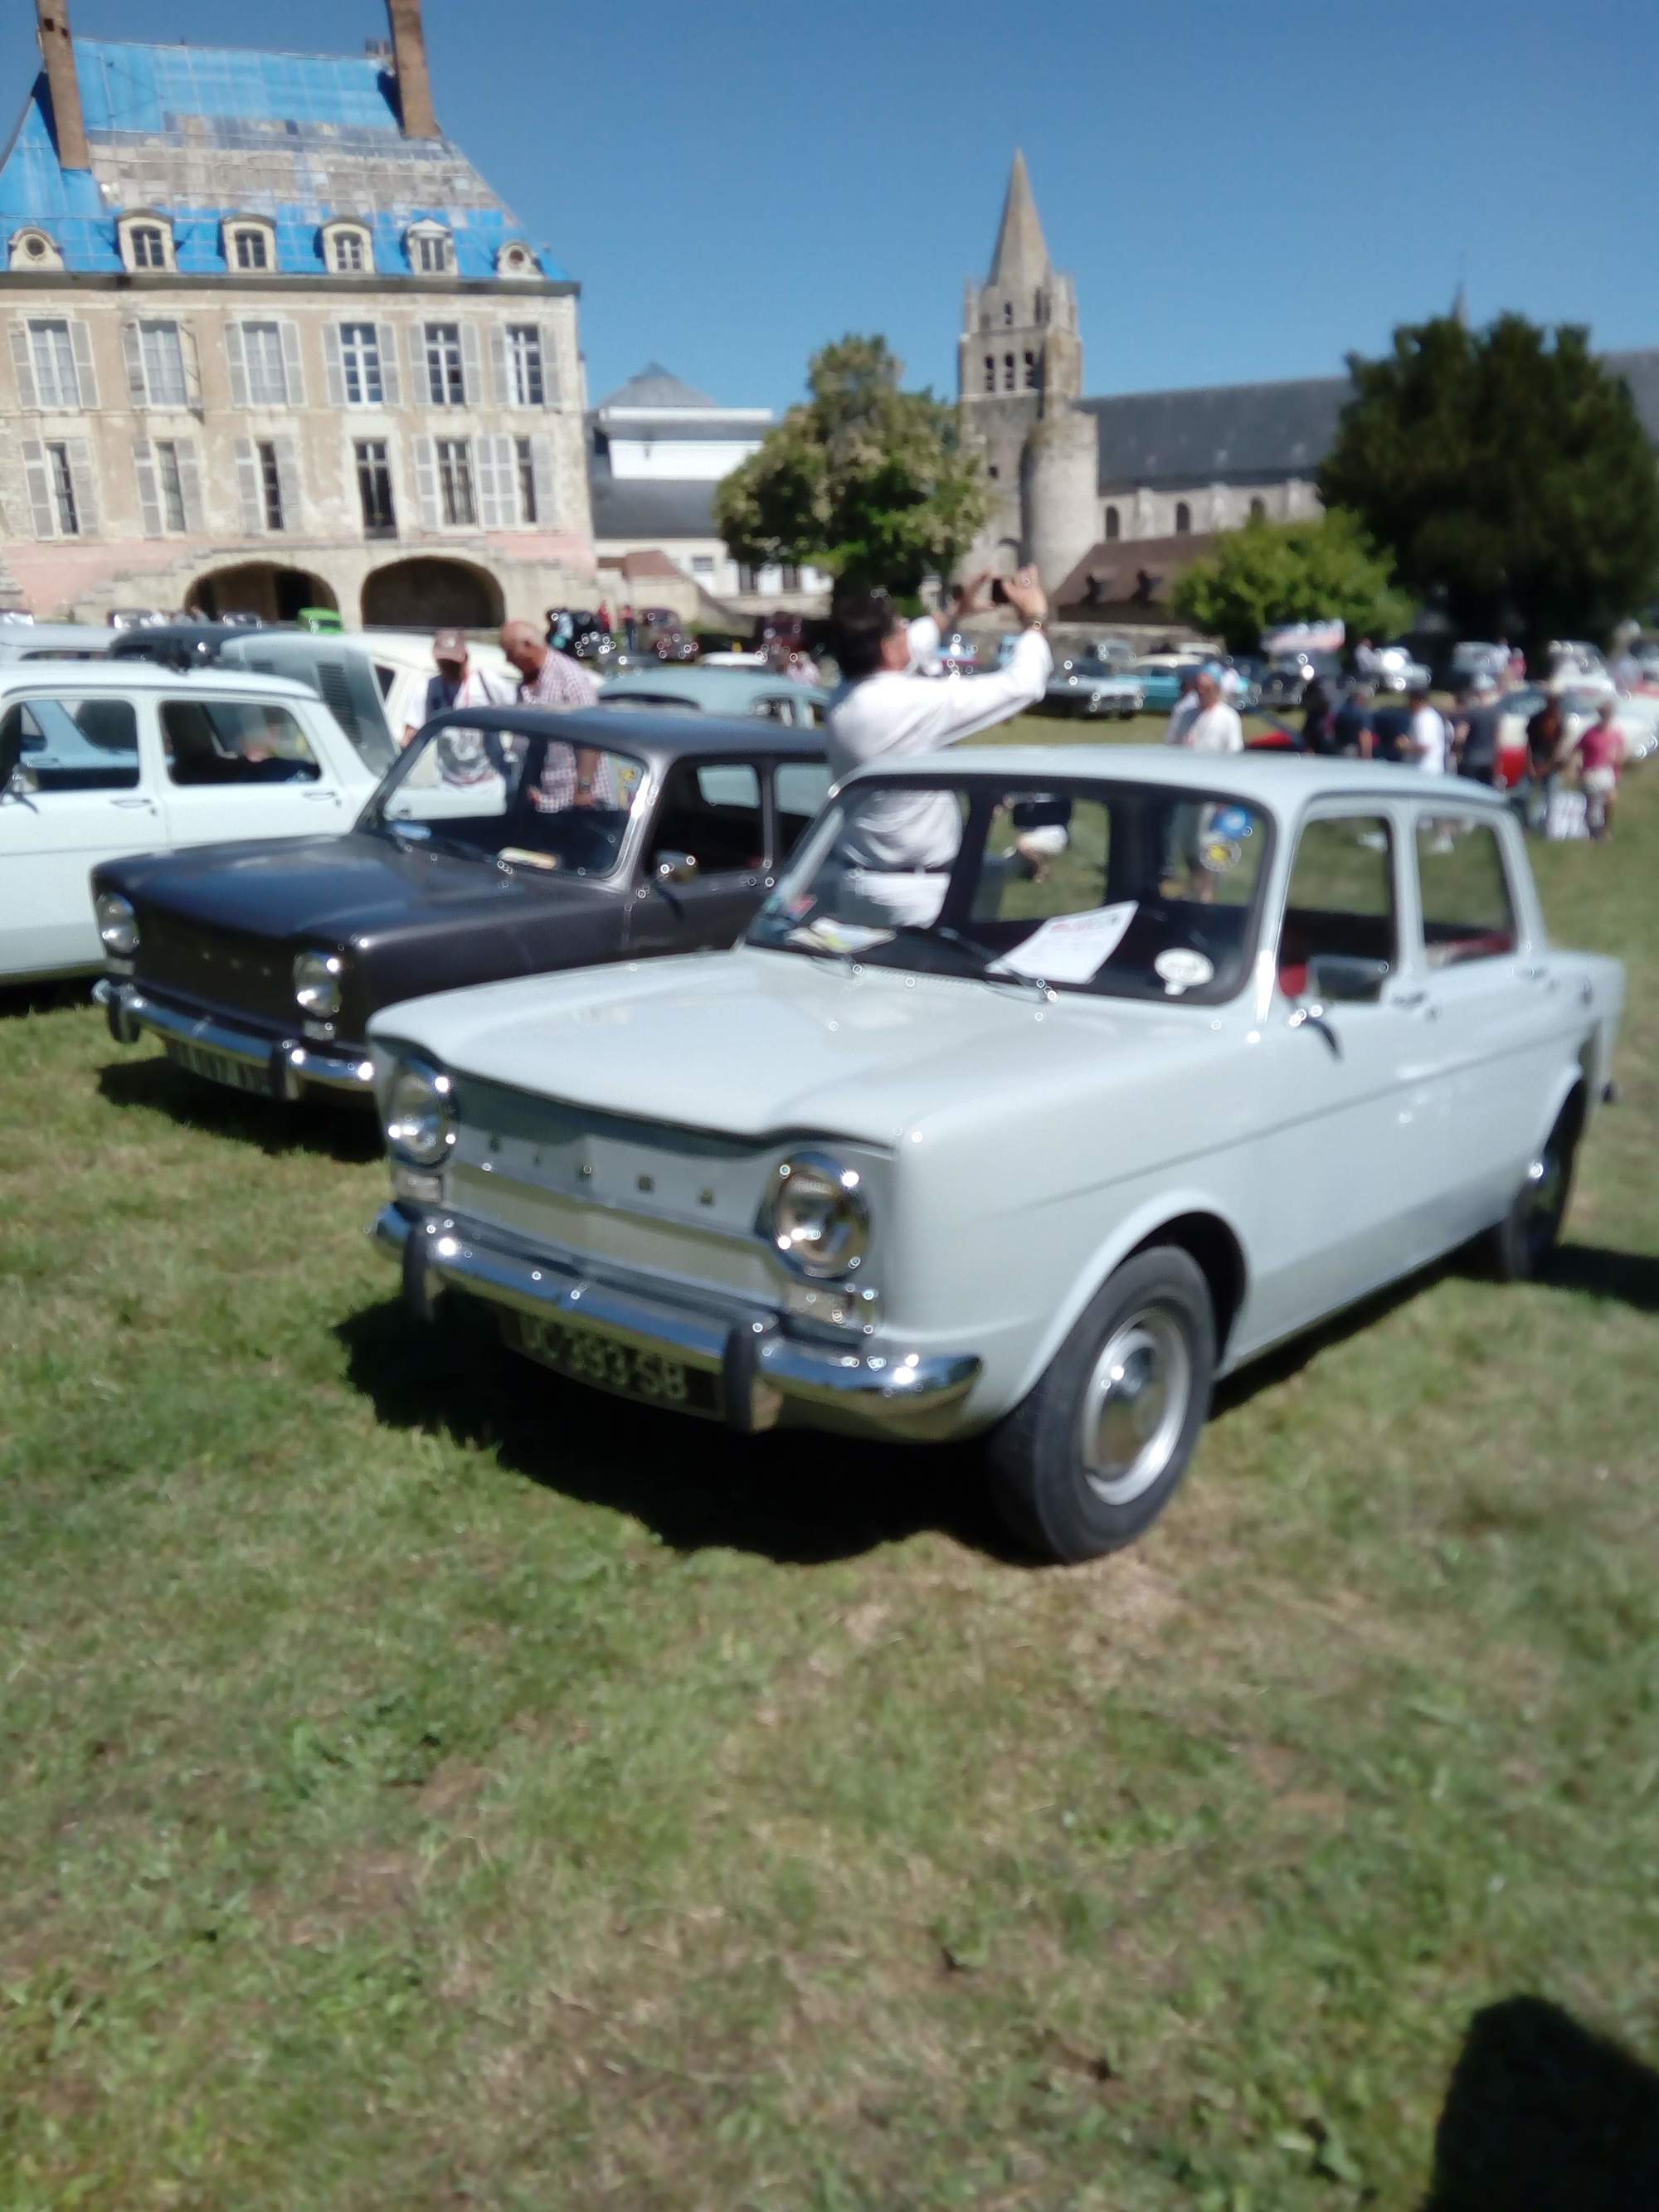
{"x": 1469, "y": 742}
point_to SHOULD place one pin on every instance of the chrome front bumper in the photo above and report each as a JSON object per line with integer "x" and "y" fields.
{"x": 287, "y": 1063}
{"x": 765, "y": 1376}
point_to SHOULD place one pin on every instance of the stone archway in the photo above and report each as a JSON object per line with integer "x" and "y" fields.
{"x": 429, "y": 592}
{"x": 265, "y": 589}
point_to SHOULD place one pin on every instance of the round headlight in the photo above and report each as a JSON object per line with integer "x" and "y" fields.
{"x": 317, "y": 983}
{"x": 816, "y": 1215}
{"x": 420, "y": 1115}
{"x": 117, "y": 925}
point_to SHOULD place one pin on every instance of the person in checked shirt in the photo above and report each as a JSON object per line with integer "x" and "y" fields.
{"x": 571, "y": 775}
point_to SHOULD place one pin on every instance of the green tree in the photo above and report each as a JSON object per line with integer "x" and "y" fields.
{"x": 1507, "y": 472}
{"x": 1284, "y": 572}
{"x": 864, "y": 481}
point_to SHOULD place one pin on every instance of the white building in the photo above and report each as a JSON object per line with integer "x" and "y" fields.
{"x": 657, "y": 450}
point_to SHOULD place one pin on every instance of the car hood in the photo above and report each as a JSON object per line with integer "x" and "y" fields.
{"x": 758, "y": 1043}
{"x": 354, "y": 886}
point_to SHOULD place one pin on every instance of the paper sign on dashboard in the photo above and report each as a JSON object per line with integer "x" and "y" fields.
{"x": 1071, "y": 948}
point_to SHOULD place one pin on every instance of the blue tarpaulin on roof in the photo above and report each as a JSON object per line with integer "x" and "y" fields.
{"x": 144, "y": 89}
{"x": 328, "y": 116}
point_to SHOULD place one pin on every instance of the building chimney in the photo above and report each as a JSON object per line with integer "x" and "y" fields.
{"x": 58, "y": 51}
{"x": 409, "y": 63}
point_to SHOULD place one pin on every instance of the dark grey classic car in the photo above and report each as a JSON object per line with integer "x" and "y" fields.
{"x": 504, "y": 842}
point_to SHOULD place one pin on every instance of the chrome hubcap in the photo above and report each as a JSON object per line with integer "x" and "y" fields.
{"x": 1135, "y": 1406}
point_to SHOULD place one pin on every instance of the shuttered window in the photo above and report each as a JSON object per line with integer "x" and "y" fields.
{"x": 66, "y": 511}
{"x": 360, "y": 362}
{"x": 526, "y": 378}
{"x": 375, "y": 488}
{"x": 55, "y": 380}
{"x": 446, "y": 383}
{"x": 262, "y": 349}
{"x": 455, "y": 495}
{"x": 169, "y": 487}
{"x": 161, "y": 353}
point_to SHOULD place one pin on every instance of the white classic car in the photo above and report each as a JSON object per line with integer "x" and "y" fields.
{"x": 101, "y": 759}
{"x": 1242, "y": 1040}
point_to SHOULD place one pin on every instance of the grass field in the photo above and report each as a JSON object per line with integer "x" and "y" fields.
{"x": 427, "y": 1786}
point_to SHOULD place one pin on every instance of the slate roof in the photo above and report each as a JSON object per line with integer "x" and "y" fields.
{"x": 1217, "y": 432}
{"x": 1250, "y": 433}
{"x": 657, "y": 387}
{"x": 199, "y": 133}
{"x": 648, "y": 507}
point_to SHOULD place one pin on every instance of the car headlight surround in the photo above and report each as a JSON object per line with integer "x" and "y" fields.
{"x": 420, "y": 1119}
{"x": 317, "y": 984}
{"x": 117, "y": 925}
{"x": 816, "y": 1215}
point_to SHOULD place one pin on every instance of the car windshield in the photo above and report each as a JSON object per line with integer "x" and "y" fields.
{"x": 534, "y": 802}
{"x": 1123, "y": 890}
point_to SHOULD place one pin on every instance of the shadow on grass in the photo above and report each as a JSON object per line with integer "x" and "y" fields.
{"x": 347, "y": 1133}
{"x": 799, "y": 1498}
{"x": 1629, "y": 1278}
{"x": 19, "y": 1000}
{"x": 1543, "y": 2116}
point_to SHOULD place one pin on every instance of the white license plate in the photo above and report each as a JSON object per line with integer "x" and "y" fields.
{"x": 219, "y": 1067}
{"x": 607, "y": 1365}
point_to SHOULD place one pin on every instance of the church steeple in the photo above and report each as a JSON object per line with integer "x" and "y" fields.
{"x": 1020, "y": 262}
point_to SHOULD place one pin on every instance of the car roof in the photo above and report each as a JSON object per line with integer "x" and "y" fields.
{"x": 659, "y": 736}
{"x": 1277, "y": 781}
{"x": 732, "y": 687}
{"x": 141, "y": 675}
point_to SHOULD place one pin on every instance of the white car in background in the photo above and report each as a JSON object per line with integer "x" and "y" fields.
{"x": 99, "y": 759}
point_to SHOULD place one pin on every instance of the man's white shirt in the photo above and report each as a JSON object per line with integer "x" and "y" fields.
{"x": 1428, "y": 739}
{"x": 896, "y": 713}
{"x": 1216, "y": 730}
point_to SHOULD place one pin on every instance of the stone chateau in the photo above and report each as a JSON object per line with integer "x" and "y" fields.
{"x": 1102, "y": 492}
{"x": 272, "y": 342}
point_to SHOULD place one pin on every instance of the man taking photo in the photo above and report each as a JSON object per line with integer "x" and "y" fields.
{"x": 898, "y": 856}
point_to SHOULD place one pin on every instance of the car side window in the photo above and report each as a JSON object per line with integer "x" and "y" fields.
{"x": 75, "y": 745}
{"x": 780, "y": 706}
{"x": 800, "y": 789}
{"x": 1340, "y": 903}
{"x": 1467, "y": 911}
{"x": 712, "y": 810}
{"x": 223, "y": 741}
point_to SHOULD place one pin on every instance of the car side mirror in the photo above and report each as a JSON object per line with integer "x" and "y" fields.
{"x": 11, "y": 751}
{"x": 677, "y": 868}
{"x": 1341, "y": 979}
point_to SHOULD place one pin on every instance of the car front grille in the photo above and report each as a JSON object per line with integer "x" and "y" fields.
{"x": 227, "y": 969}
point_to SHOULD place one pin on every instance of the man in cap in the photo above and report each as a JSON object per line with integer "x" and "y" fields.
{"x": 456, "y": 683}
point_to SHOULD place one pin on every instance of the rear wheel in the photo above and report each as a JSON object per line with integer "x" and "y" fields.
{"x": 1520, "y": 1245}
{"x": 1091, "y": 1456}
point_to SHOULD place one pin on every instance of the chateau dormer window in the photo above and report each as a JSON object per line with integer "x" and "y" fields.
{"x": 431, "y": 250}
{"x": 251, "y": 245}
{"x": 347, "y": 248}
{"x": 146, "y": 240}
{"x": 515, "y": 259}
{"x": 33, "y": 249}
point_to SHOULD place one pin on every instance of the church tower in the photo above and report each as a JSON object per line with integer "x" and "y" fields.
{"x": 1019, "y": 371}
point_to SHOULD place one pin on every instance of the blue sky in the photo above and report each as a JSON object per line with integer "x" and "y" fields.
{"x": 1240, "y": 192}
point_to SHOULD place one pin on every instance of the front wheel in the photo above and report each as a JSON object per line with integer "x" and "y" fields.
{"x": 1519, "y": 1246}
{"x": 1090, "y": 1457}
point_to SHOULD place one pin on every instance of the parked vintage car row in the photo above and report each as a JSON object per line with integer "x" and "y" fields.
{"x": 1176, "y": 1056}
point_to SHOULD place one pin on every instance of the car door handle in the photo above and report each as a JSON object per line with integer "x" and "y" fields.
{"x": 322, "y": 797}
{"x": 148, "y": 805}
{"x": 1409, "y": 1000}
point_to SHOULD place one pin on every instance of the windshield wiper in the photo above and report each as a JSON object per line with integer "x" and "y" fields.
{"x": 987, "y": 957}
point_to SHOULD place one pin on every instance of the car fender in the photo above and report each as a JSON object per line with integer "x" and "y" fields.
{"x": 1169, "y": 1203}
